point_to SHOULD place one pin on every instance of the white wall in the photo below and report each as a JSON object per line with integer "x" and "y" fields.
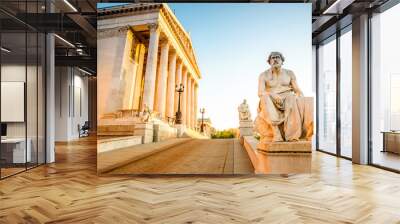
{"x": 79, "y": 117}
{"x": 16, "y": 73}
{"x": 71, "y": 102}
{"x": 33, "y": 126}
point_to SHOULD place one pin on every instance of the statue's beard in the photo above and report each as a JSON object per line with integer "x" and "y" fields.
{"x": 276, "y": 65}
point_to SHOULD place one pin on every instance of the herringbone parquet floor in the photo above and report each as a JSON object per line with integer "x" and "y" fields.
{"x": 69, "y": 191}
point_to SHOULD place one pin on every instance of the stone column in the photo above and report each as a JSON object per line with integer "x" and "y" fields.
{"x": 189, "y": 101}
{"x": 195, "y": 104}
{"x": 193, "y": 113}
{"x": 171, "y": 85}
{"x": 162, "y": 79}
{"x": 178, "y": 81}
{"x": 128, "y": 70}
{"x": 151, "y": 67}
{"x": 184, "y": 96}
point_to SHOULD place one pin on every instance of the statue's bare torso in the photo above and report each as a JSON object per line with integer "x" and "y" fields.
{"x": 278, "y": 83}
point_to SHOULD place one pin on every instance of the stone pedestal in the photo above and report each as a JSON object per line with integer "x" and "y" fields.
{"x": 276, "y": 163}
{"x": 180, "y": 130}
{"x": 162, "y": 131}
{"x": 145, "y": 129}
{"x": 277, "y": 147}
{"x": 245, "y": 129}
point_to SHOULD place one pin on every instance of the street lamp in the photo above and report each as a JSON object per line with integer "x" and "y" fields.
{"x": 202, "y": 111}
{"x": 178, "y": 115}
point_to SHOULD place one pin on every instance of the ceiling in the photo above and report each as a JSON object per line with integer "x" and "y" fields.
{"x": 72, "y": 20}
{"x": 332, "y": 15}
{"x": 76, "y": 22}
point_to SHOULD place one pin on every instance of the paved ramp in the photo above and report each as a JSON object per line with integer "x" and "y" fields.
{"x": 198, "y": 156}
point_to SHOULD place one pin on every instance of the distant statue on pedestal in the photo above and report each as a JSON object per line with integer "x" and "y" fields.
{"x": 246, "y": 125}
{"x": 244, "y": 112}
{"x": 283, "y": 113}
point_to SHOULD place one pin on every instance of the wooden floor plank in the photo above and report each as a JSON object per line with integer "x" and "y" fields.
{"x": 70, "y": 191}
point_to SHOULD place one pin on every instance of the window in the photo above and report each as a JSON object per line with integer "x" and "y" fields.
{"x": 385, "y": 89}
{"x": 23, "y": 77}
{"x": 327, "y": 96}
{"x": 346, "y": 93}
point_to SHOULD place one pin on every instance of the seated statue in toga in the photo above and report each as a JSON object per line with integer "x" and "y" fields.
{"x": 283, "y": 114}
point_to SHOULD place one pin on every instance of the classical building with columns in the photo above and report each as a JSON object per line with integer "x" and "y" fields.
{"x": 143, "y": 53}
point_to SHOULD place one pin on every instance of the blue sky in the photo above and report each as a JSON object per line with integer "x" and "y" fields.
{"x": 232, "y": 42}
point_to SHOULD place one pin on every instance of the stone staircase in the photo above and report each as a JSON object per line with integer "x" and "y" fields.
{"x": 129, "y": 123}
{"x": 113, "y": 126}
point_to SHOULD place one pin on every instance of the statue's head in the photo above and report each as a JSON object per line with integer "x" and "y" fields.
{"x": 244, "y": 101}
{"x": 276, "y": 59}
